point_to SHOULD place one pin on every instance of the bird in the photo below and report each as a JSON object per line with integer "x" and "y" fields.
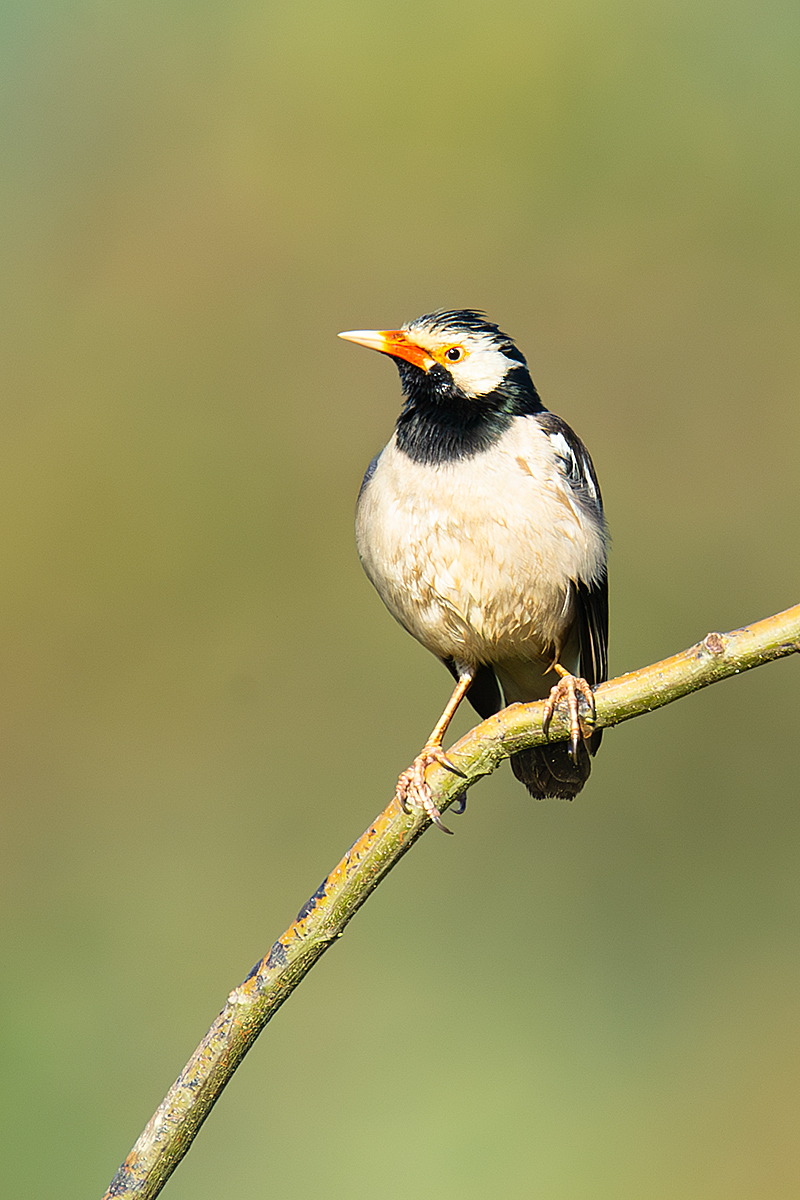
{"x": 481, "y": 526}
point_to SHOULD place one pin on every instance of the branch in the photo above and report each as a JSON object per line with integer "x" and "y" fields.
{"x": 323, "y": 918}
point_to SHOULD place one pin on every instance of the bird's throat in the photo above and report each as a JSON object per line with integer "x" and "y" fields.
{"x": 432, "y": 435}
{"x": 440, "y": 424}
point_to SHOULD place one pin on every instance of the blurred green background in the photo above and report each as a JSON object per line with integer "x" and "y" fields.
{"x": 204, "y": 702}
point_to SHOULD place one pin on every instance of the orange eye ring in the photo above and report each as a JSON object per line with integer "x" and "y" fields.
{"x": 454, "y": 354}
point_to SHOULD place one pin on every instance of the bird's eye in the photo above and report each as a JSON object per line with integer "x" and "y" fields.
{"x": 454, "y": 354}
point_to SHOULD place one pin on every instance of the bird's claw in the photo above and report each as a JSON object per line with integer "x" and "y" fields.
{"x": 569, "y": 688}
{"x": 414, "y": 789}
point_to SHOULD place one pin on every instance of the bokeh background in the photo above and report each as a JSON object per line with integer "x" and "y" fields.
{"x": 203, "y": 703}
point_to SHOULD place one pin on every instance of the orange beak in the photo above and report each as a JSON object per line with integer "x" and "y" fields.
{"x": 391, "y": 341}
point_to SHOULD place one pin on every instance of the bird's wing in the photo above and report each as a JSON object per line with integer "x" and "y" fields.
{"x": 592, "y": 611}
{"x": 370, "y": 471}
{"x": 591, "y": 596}
{"x": 575, "y": 462}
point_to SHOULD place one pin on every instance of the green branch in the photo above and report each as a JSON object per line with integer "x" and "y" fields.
{"x": 249, "y": 1007}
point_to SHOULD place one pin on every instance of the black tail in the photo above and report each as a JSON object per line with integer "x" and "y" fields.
{"x": 551, "y": 770}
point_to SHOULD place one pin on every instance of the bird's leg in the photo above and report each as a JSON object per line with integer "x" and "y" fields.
{"x": 568, "y": 688}
{"x": 412, "y": 786}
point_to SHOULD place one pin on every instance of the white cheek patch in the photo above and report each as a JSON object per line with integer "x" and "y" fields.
{"x": 481, "y": 371}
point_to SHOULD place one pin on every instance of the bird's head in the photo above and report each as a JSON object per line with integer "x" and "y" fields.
{"x": 464, "y": 382}
{"x": 454, "y": 356}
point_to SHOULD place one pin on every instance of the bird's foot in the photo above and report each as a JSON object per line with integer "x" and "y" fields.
{"x": 413, "y": 788}
{"x": 573, "y": 689}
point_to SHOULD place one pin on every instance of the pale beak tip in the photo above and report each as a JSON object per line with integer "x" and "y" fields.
{"x": 373, "y": 339}
{"x": 358, "y": 335}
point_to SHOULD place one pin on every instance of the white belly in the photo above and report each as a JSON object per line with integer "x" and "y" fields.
{"x": 475, "y": 557}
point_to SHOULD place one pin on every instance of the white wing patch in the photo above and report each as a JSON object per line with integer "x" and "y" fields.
{"x": 575, "y": 469}
{"x": 562, "y": 448}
